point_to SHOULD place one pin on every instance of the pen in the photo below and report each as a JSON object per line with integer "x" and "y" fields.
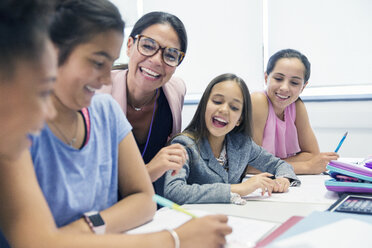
{"x": 167, "y": 203}
{"x": 341, "y": 141}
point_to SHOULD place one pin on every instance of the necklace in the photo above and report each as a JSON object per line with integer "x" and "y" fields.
{"x": 222, "y": 159}
{"x": 143, "y": 105}
{"x": 71, "y": 141}
{"x": 152, "y": 120}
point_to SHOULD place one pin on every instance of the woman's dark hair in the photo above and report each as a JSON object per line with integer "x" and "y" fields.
{"x": 197, "y": 127}
{"x": 289, "y": 53}
{"x": 157, "y": 17}
{"x": 77, "y": 21}
{"x": 23, "y": 32}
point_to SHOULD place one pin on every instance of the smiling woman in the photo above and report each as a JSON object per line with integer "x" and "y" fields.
{"x": 280, "y": 121}
{"x": 149, "y": 95}
{"x": 90, "y": 132}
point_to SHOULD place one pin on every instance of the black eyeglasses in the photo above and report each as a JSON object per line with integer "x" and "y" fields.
{"x": 149, "y": 47}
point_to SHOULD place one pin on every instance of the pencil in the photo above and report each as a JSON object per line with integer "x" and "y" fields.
{"x": 341, "y": 141}
{"x": 167, "y": 203}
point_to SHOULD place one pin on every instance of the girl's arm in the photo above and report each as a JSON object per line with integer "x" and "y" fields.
{"x": 309, "y": 160}
{"x": 178, "y": 190}
{"x": 261, "y": 181}
{"x": 135, "y": 189}
{"x": 265, "y": 161}
{"x": 27, "y": 222}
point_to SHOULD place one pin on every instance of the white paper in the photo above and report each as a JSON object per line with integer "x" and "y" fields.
{"x": 246, "y": 232}
{"x": 344, "y": 233}
{"x": 312, "y": 190}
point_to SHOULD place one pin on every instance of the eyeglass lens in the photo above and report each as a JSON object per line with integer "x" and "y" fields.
{"x": 149, "y": 47}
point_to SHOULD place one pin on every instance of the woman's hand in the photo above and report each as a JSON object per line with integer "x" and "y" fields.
{"x": 262, "y": 181}
{"x": 204, "y": 232}
{"x": 171, "y": 157}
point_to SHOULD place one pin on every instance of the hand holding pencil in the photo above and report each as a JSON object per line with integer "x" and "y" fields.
{"x": 203, "y": 232}
{"x": 329, "y": 156}
{"x": 167, "y": 203}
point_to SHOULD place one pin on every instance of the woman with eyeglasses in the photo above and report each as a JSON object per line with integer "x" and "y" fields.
{"x": 148, "y": 94}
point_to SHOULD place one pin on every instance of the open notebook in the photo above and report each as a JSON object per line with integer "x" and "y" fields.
{"x": 246, "y": 232}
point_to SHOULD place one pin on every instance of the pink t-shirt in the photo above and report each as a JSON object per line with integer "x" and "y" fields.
{"x": 280, "y": 137}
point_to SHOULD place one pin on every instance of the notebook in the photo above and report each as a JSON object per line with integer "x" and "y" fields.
{"x": 246, "y": 232}
{"x": 278, "y": 231}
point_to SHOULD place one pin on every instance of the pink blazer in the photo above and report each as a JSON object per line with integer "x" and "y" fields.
{"x": 174, "y": 91}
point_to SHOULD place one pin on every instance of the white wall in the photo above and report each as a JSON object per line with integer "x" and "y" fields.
{"x": 330, "y": 120}
{"x": 336, "y": 36}
{"x": 224, "y": 36}
{"x": 228, "y": 36}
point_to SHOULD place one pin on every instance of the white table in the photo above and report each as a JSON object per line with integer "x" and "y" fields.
{"x": 314, "y": 197}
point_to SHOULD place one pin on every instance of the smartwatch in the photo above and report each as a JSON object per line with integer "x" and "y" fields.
{"x": 95, "y": 222}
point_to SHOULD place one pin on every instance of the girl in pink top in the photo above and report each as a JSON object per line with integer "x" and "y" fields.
{"x": 280, "y": 136}
{"x": 280, "y": 121}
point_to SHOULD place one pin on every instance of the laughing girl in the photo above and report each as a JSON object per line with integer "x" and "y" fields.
{"x": 219, "y": 146}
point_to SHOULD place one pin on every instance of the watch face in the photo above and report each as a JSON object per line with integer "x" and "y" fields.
{"x": 96, "y": 220}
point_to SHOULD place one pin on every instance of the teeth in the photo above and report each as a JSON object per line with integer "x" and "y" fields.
{"x": 283, "y": 97}
{"x": 90, "y": 88}
{"x": 150, "y": 72}
{"x": 220, "y": 119}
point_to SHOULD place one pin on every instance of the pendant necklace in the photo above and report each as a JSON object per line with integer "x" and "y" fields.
{"x": 222, "y": 159}
{"x": 143, "y": 105}
{"x": 71, "y": 141}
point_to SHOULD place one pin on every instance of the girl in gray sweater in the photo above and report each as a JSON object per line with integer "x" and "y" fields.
{"x": 219, "y": 146}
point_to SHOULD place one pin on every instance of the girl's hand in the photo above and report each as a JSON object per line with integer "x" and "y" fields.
{"x": 281, "y": 185}
{"x": 171, "y": 157}
{"x": 255, "y": 182}
{"x": 319, "y": 162}
{"x": 208, "y": 231}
